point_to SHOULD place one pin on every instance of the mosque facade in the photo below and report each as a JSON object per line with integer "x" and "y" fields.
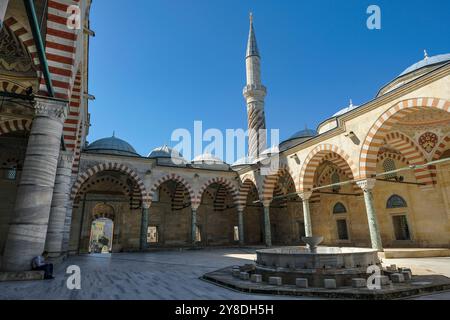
{"x": 375, "y": 175}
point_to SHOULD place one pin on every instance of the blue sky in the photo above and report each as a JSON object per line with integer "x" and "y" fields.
{"x": 159, "y": 65}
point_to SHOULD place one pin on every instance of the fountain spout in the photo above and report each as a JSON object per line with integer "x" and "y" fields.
{"x": 312, "y": 242}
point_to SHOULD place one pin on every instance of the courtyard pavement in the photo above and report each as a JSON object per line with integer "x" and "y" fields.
{"x": 166, "y": 275}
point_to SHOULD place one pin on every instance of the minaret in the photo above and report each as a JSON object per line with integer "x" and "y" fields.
{"x": 254, "y": 94}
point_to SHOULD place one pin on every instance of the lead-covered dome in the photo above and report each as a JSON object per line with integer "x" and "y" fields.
{"x": 167, "y": 153}
{"x": 112, "y": 145}
{"x": 427, "y": 61}
{"x": 297, "y": 138}
{"x": 208, "y": 159}
{"x": 415, "y": 71}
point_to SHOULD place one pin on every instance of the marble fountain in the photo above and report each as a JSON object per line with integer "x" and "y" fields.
{"x": 315, "y": 263}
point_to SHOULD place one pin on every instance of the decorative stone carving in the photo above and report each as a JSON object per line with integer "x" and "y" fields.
{"x": 367, "y": 184}
{"x": 51, "y": 109}
{"x": 428, "y": 141}
{"x": 13, "y": 56}
{"x": 66, "y": 159}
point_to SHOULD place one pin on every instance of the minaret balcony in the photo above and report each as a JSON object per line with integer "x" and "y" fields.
{"x": 254, "y": 90}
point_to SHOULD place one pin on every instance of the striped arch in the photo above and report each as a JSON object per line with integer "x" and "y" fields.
{"x": 15, "y": 125}
{"x": 179, "y": 180}
{"x": 247, "y": 185}
{"x": 11, "y": 86}
{"x": 26, "y": 37}
{"x": 110, "y": 166}
{"x": 374, "y": 139}
{"x": 321, "y": 153}
{"x": 412, "y": 154}
{"x": 77, "y": 151}
{"x": 394, "y": 156}
{"x": 221, "y": 181}
{"x": 71, "y": 124}
{"x": 125, "y": 188}
{"x": 271, "y": 181}
{"x": 442, "y": 147}
{"x": 60, "y": 48}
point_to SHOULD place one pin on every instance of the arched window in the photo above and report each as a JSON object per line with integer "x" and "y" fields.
{"x": 335, "y": 179}
{"x": 339, "y": 208}
{"x": 396, "y": 201}
{"x": 389, "y": 165}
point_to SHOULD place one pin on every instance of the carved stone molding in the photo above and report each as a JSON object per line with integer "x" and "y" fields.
{"x": 306, "y": 195}
{"x": 66, "y": 159}
{"x": 53, "y": 109}
{"x": 366, "y": 185}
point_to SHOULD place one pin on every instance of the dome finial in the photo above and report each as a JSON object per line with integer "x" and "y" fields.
{"x": 425, "y": 53}
{"x": 114, "y": 134}
{"x": 251, "y": 17}
{"x": 351, "y": 103}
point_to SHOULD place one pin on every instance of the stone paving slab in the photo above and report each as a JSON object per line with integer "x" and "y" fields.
{"x": 419, "y": 285}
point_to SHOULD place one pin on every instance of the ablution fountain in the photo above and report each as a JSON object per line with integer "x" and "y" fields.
{"x": 315, "y": 263}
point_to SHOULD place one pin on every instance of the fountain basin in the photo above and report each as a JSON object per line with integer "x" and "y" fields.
{"x": 341, "y": 264}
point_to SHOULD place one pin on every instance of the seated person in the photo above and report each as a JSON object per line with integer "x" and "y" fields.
{"x": 39, "y": 263}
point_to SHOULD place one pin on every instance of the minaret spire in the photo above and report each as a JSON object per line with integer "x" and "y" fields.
{"x": 254, "y": 94}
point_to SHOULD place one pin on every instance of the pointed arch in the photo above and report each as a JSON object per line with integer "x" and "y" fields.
{"x": 321, "y": 153}
{"x": 443, "y": 145}
{"x": 248, "y": 183}
{"x": 376, "y": 134}
{"x": 271, "y": 181}
{"x": 9, "y": 126}
{"x": 26, "y": 37}
{"x": 412, "y": 154}
{"x": 110, "y": 166}
{"x": 221, "y": 181}
{"x": 179, "y": 180}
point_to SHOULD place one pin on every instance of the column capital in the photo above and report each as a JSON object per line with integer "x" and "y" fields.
{"x": 146, "y": 205}
{"x": 54, "y": 109}
{"x": 240, "y": 208}
{"x": 366, "y": 185}
{"x": 66, "y": 159}
{"x": 306, "y": 195}
{"x": 266, "y": 203}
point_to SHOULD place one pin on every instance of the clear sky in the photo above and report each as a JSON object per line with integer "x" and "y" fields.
{"x": 159, "y": 65}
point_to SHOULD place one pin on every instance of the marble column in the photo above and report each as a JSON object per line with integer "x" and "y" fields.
{"x": 306, "y": 213}
{"x": 375, "y": 237}
{"x": 67, "y": 228}
{"x": 267, "y": 231}
{"x": 58, "y": 211}
{"x": 193, "y": 225}
{"x": 144, "y": 226}
{"x": 241, "y": 225}
{"x": 28, "y": 227}
{"x": 3, "y": 7}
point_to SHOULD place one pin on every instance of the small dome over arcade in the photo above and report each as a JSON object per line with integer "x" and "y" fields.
{"x": 243, "y": 162}
{"x": 167, "y": 153}
{"x": 297, "y": 138}
{"x": 207, "y": 158}
{"x": 344, "y": 110}
{"x": 210, "y": 161}
{"x": 111, "y": 145}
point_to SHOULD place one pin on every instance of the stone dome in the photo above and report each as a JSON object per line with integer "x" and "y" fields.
{"x": 111, "y": 145}
{"x": 207, "y": 158}
{"x": 245, "y": 161}
{"x": 349, "y": 108}
{"x": 427, "y": 61}
{"x": 165, "y": 152}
